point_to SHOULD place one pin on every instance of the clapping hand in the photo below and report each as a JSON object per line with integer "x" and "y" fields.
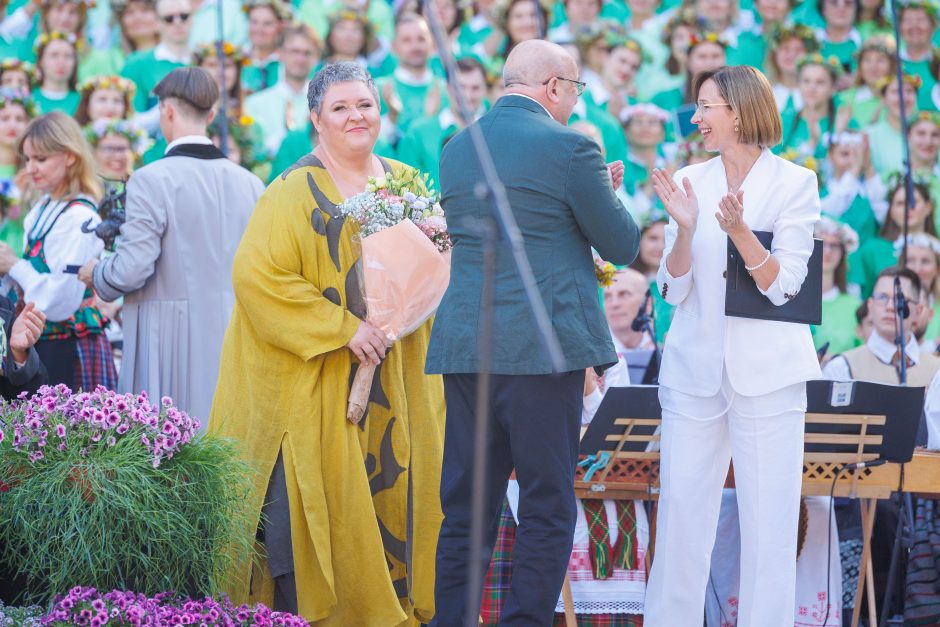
{"x": 369, "y": 344}
{"x": 26, "y": 331}
{"x": 730, "y": 214}
{"x": 615, "y": 170}
{"x": 681, "y": 205}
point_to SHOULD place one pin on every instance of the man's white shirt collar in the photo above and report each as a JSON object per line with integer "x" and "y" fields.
{"x": 162, "y": 53}
{"x": 533, "y": 100}
{"x": 188, "y": 139}
{"x": 407, "y": 78}
{"x": 885, "y": 350}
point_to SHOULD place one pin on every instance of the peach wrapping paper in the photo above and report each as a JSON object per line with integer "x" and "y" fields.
{"x": 404, "y": 278}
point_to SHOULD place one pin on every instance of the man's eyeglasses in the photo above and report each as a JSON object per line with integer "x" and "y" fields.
{"x": 580, "y": 86}
{"x": 175, "y": 17}
{"x": 701, "y": 107}
{"x": 883, "y": 299}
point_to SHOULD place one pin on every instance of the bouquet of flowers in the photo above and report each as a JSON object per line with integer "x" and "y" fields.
{"x": 405, "y": 264}
{"x": 87, "y": 606}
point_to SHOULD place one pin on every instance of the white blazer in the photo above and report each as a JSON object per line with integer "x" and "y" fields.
{"x": 760, "y": 356}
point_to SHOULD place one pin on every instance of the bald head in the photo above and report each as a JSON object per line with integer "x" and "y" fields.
{"x": 534, "y": 61}
{"x": 623, "y": 299}
{"x": 544, "y": 72}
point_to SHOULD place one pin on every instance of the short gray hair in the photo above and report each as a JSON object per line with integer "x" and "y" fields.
{"x": 332, "y": 74}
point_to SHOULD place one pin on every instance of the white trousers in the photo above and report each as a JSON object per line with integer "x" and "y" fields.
{"x": 764, "y": 437}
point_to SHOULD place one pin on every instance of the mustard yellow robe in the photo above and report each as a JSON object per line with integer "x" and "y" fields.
{"x": 363, "y": 545}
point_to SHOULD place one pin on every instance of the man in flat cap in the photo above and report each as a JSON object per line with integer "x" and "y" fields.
{"x": 185, "y": 217}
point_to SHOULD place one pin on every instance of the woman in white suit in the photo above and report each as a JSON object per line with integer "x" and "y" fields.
{"x": 732, "y": 388}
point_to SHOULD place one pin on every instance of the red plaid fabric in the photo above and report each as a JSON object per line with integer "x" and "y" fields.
{"x": 499, "y": 574}
{"x": 602, "y": 620}
{"x": 95, "y": 364}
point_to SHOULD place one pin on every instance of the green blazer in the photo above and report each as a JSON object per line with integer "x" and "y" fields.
{"x": 561, "y": 197}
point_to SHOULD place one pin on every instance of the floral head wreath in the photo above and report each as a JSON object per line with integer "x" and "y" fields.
{"x": 918, "y": 240}
{"x": 281, "y": 10}
{"x": 611, "y": 32}
{"x": 653, "y": 216}
{"x": 684, "y": 16}
{"x": 46, "y": 38}
{"x": 209, "y": 50}
{"x": 831, "y": 63}
{"x": 239, "y": 129}
{"x": 353, "y": 15}
{"x": 88, "y": 4}
{"x": 884, "y": 44}
{"x": 118, "y": 83}
{"x": 15, "y": 97}
{"x": 12, "y": 64}
{"x": 629, "y": 43}
{"x": 847, "y": 235}
{"x": 802, "y": 32}
{"x": 924, "y": 5}
{"x": 845, "y": 138}
{"x": 913, "y": 80}
{"x": 895, "y": 181}
{"x": 138, "y": 138}
{"x": 699, "y": 37}
{"x": 925, "y": 116}
{"x": 119, "y": 6}
{"x": 643, "y": 108}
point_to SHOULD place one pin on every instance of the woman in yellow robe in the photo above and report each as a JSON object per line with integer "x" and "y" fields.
{"x": 364, "y": 508}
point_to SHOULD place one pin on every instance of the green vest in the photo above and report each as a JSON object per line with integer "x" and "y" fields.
{"x": 86, "y": 320}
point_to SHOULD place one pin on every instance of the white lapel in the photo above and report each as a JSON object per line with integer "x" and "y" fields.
{"x": 758, "y": 187}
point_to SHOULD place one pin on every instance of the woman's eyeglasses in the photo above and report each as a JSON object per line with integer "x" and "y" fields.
{"x": 701, "y": 107}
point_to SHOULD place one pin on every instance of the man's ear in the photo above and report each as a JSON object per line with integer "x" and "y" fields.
{"x": 211, "y": 116}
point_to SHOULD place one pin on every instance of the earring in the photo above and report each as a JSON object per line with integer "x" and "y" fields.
{"x": 736, "y": 128}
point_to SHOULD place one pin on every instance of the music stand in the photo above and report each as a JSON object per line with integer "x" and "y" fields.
{"x": 846, "y": 423}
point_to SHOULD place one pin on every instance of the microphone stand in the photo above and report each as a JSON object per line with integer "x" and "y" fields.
{"x": 646, "y": 322}
{"x": 501, "y": 225}
{"x": 905, "y": 503}
{"x": 223, "y": 98}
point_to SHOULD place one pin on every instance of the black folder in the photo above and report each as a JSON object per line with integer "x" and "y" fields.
{"x": 744, "y": 300}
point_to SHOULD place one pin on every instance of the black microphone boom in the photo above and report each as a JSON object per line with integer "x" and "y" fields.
{"x": 642, "y": 317}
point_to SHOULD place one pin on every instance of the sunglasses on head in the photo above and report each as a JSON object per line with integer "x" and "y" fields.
{"x": 175, "y": 17}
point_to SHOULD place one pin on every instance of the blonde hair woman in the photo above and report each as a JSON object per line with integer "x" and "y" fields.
{"x": 732, "y": 387}
{"x": 65, "y": 189}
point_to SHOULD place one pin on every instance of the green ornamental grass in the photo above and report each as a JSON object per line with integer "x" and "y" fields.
{"x": 113, "y": 492}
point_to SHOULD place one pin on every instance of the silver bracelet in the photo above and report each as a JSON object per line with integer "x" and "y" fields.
{"x": 758, "y": 266}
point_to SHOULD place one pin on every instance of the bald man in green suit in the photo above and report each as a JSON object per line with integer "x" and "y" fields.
{"x": 562, "y": 196}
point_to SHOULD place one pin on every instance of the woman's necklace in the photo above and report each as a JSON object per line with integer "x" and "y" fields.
{"x": 733, "y": 189}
